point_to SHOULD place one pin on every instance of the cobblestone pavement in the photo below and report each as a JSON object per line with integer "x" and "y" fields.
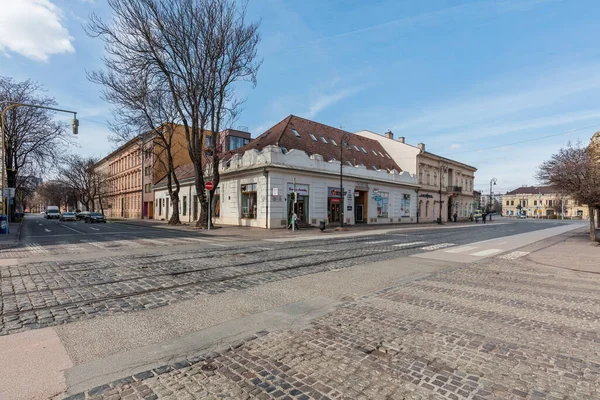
{"x": 497, "y": 329}
{"x": 41, "y": 294}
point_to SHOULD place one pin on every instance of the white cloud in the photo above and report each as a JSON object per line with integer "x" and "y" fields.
{"x": 34, "y": 29}
{"x": 455, "y": 146}
{"x": 327, "y": 100}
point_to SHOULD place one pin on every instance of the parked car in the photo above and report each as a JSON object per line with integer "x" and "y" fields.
{"x": 68, "y": 216}
{"x": 81, "y": 215}
{"x": 95, "y": 217}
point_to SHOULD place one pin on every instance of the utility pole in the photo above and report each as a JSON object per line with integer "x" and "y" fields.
{"x": 492, "y": 181}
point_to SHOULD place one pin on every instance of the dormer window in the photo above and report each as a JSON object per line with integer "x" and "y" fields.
{"x": 333, "y": 141}
{"x": 323, "y": 139}
{"x": 363, "y": 149}
{"x": 295, "y": 132}
{"x": 374, "y": 152}
{"x": 381, "y": 154}
{"x": 312, "y": 137}
{"x": 374, "y": 167}
{"x": 283, "y": 149}
{"x": 349, "y": 163}
{"x": 356, "y": 148}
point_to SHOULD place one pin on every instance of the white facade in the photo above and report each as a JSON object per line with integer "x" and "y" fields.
{"x": 403, "y": 154}
{"x": 255, "y": 190}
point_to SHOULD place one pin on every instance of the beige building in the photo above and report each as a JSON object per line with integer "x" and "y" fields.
{"x": 541, "y": 202}
{"x": 436, "y": 175}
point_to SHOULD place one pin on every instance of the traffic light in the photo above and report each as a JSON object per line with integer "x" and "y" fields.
{"x": 295, "y": 197}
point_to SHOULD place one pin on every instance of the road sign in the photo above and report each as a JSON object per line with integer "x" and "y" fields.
{"x": 9, "y": 192}
{"x": 209, "y": 185}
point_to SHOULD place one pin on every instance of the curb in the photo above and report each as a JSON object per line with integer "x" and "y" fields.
{"x": 208, "y": 359}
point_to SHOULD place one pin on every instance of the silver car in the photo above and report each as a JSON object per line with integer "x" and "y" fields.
{"x": 68, "y": 216}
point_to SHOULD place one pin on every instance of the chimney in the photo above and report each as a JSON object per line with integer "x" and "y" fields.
{"x": 421, "y": 146}
{"x": 389, "y": 134}
{"x": 401, "y": 139}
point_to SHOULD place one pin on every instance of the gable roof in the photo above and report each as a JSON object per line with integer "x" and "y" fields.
{"x": 185, "y": 171}
{"x": 534, "y": 190}
{"x": 314, "y": 138}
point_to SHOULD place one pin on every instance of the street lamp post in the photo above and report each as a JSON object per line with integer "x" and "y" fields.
{"x": 11, "y": 105}
{"x": 492, "y": 182}
{"x": 345, "y": 138}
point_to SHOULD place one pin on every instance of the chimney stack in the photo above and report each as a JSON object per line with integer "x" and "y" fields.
{"x": 401, "y": 139}
{"x": 389, "y": 134}
{"x": 421, "y": 146}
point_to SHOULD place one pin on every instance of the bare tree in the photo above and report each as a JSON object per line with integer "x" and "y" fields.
{"x": 78, "y": 173}
{"x": 56, "y": 193}
{"x": 573, "y": 171}
{"x": 33, "y": 140}
{"x": 198, "y": 50}
{"x": 143, "y": 105}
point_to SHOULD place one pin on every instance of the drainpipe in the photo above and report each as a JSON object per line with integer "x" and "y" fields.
{"x": 266, "y": 174}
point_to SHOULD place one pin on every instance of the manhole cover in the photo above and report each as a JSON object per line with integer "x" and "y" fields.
{"x": 208, "y": 367}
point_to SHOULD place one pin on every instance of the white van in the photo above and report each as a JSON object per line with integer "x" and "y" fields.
{"x": 52, "y": 212}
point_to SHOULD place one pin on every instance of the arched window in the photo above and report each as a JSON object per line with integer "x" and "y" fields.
{"x": 427, "y": 209}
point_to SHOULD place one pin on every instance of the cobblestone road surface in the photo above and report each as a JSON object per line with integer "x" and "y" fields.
{"x": 498, "y": 329}
{"x": 35, "y": 295}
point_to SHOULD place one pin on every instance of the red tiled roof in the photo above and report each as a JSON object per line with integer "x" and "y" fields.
{"x": 534, "y": 190}
{"x": 295, "y": 133}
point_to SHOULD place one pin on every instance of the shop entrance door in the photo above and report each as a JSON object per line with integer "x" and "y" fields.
{"x": 359, "y": 213}
{"x": 300, "y": 211}
{"x": 335, "y": 212}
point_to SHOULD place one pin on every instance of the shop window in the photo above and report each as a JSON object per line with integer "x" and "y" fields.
{"x": 249, "y": 207}
{"x": 382, "y": 204}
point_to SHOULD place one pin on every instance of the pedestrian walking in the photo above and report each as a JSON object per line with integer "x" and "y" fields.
{"x": 484, "y": 217}
{"x": 455, "y": 216}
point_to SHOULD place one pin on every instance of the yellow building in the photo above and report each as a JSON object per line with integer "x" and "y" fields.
{"x": 541, "y": 202}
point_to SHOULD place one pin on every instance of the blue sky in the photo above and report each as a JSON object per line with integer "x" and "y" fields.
{"x": 460, "y": 76}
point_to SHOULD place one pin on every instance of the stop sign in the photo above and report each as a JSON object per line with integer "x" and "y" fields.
{"x": 209, "y": 186}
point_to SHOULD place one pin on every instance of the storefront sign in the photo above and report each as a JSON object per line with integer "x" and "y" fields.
{"x": 300, "y": 189}
{"x": 349, "y": 208}
{"x": 335, "y": 200}
{"x": 377, "y": 198}
{"x": 275, "y": 191}
{"x": 356, "y": 194}
{"x": 333, "y": 192}
{"x": 349, "y": 196}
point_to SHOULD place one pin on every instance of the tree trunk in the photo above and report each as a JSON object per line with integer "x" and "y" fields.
{"x": 174, "y": 220}
{"x": 592, "y": 224}
{"x": 598, "y": 218}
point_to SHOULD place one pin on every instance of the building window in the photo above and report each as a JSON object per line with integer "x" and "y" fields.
{"x": 295, "y": 132}
{"x": 356, "y": 147}
{"x": 184, "y": 207}
{"x": 381, "y": 154}
{"x": 147, "y": 188}
{"x": 421, "y": 177}
{"x": 333, "y": 141}
{"x": 374, "y": 152}
{"x": 208, "y": 142}
{"x": 507, "y": 202}
{"x": 427, "y": 208}
{"x": 428, "y": 178}
{"x": 512, "y": 202}
{"x": 382, "y": 200}
{"x": 312, "y": 137}
{"x": 535, "y": 202}
{"x": 323, "y": 139}
{"x": 249, "y": 201}
{"x": 349, "y": 163}
{"x": 435, "y": 178}
{"x": 363, "y": 150}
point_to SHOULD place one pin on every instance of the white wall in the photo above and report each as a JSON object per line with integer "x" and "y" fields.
{"x": 403, "y": 154}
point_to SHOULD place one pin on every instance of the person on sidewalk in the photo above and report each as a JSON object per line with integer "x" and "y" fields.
{"x": 484, "y": 217}
{"x": 455, "y": 217}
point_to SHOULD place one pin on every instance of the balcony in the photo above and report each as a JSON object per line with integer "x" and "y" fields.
{"x": 454, "y": 189}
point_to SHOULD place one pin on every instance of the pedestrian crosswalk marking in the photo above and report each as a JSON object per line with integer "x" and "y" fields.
{"x": 379, "y": 241}
{"x": 485, "y": 253}
{"x": 437, "y": 246}
{"x": 409, "y": 244}
{"x": 36, "y": 248}
{"x": 460, "y": 249}
{"x": 514, "y": 255}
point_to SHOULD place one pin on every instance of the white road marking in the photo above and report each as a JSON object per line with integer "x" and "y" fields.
{"x": 36, "y": 248}
{"x": 74, "y": 230}
{"x": 485, "y": 253}
{"x": 96, "y": 229}
{"x": 409, "y": 244}
{"x": 265, "y": 248}
{"x": 218, "y": 244}
{"x": 460, "y": 249}
{"x": 437, "y": 246}
{"x": 514, "y": 255}
{"x": 47, "y": 230}
{"x": 379, "y": 241}
{"x": 154, "y": 242}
